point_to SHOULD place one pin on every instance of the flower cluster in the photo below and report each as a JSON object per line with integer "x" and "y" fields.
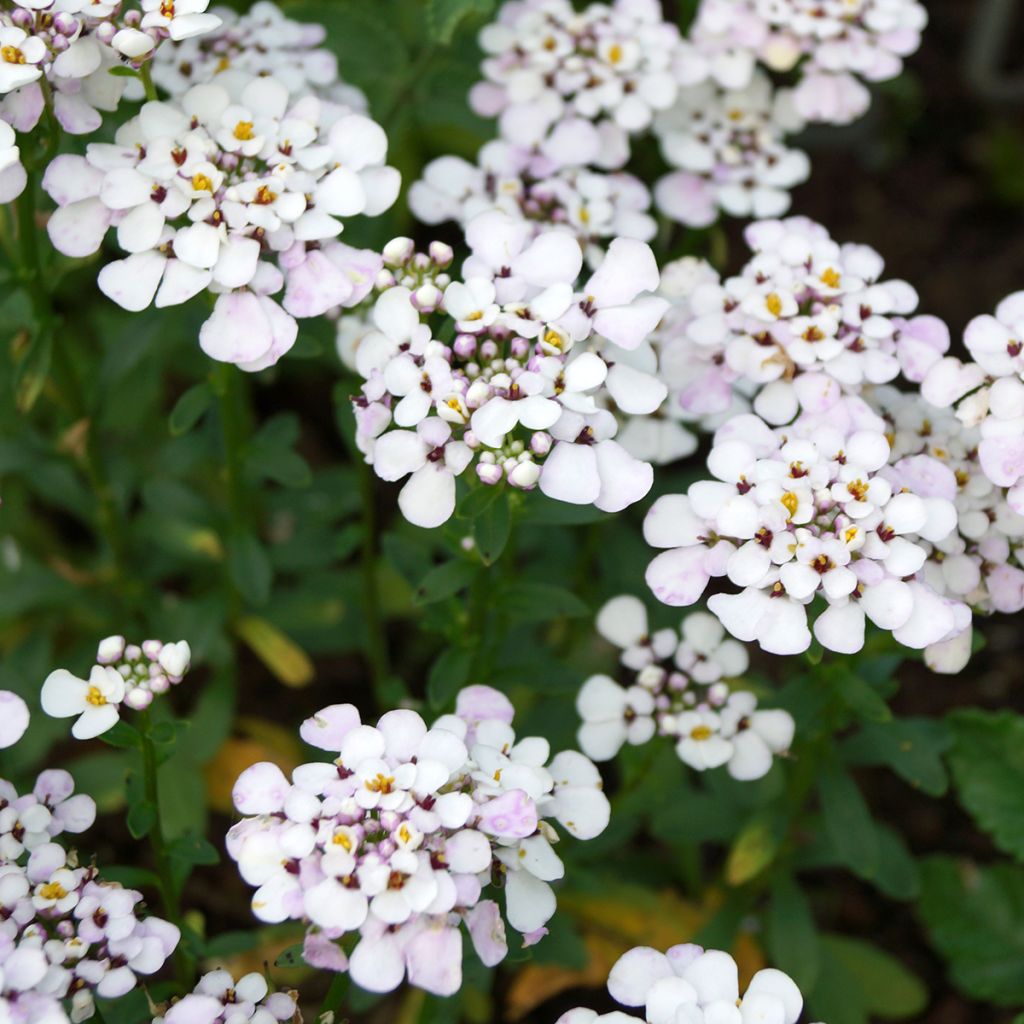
{"x": 219, "y": 999}
{"x": 62, "y": 52}
{"x": 836, "y": 45}
{"x": 262, "y": 41}
{"x": 124, "y": 673}
{"x": 397, "y": 838}
{"x": 522, "y": 387}
{"x": 681, "y": 688}
{"x": 238, "y": 188}
{"x": 65, "y": 934}
{"x": 689, "y": 983}
{"x": 796, "y": 514}
{"x": 570, "y": 88}
{"x": 806, "y": 322}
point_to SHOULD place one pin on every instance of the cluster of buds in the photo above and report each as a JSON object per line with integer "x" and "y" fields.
{"x": 66, "y": 935}
{"x": 397, "y": 840}
{"x": 130, "y": 674}
{"x": 523, "y": 387}
{"x": 682, "y": 687}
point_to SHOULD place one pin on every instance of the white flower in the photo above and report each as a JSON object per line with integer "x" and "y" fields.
{"x": 96, "y": 702}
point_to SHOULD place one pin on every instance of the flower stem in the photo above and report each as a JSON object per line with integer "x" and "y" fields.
{"x": 169, "y": 896}
{"x": 146, "y": 77}
{"x": 335, "y": 997}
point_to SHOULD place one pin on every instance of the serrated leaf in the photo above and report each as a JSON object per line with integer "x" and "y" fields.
{"x": 848, "y": 822}
{"x": 445, "y": 580}
{"x": 987, "y": 759}
{"x": 911, "y": 747}
{"x": 189, "y": 409}
{"x": 975, "y": 919}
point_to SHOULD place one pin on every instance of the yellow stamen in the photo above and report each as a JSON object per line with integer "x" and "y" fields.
{"x": 700, "y": 732}
{"x": 790, "y": 502}
{"x": 380, "y": 783}
{"x": 95, "y": 698}
{"x": 614, "y": 53}
{"x": 773, "y": 303}
{"x": 12, "y": 55}
{"x": 830, "y": 277}
{"x": 243, "y": 131}
{"x": 52, "y": 891}
{"x": 342, "y": 839}
{"x": 477, "y": 314}
{"x": 264, "y": 196}
{"x": 201, "y": 182}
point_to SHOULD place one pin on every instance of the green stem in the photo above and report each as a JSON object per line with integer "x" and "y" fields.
{"x": 376, "y": 633}
{"x": 146, "y": 77}
{"x": 169, "y": 895}
{"x": 335, "y": 996}
{"x": 33, "y": 279}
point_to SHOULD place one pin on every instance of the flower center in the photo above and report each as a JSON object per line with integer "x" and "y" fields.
{"x": 343, "y": 840}
{"x": 614, "y": 53}
{"x": 381, "y": 783}
{"x": 830, "y": 277}
{"x": 95, "y": 697}
{"x": 773, "y": 303}
{"x": 264, "y": 196}
{"x": 700, "y": 732}
{"x": 243, "y": 131}
{"x": 52, "y": 891}
{"x": 858, "y": 489}
{"x": 167, "y": 8}
{"x": 12, "y": 55}
{"x": 477, "y": 314}
{"x": 790, "y": 502}
{"x": 201, "y": 182}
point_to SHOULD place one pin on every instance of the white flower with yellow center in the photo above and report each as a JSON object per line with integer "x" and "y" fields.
{"x": 96, "y": 702}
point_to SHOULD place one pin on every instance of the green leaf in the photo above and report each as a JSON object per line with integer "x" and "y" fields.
{"x": 444, "y": 16}
{"x": 478, "y": 501}
{"x": 897, "y": 875}
{"x": 975, "y": 919}
{"x": 754, "y": 849}
{"x": 123, "y": 735}
{"x": 988, "y": 768}
{"x": 539, "y": 602}
{"x": 33, "y": 369}
{"x": 862, "y": 698}
{"x": 193, "y": 849}
{"x": 141, "y": 818}
{"x": 911, "y": 747}
{"x": 848, "y": 822}
{"x": 889, "y": 990}
{"x": 445, "y": 580}
{"x": 447, "y": 675}
{"x": 491, "y": 530}
{"x": 120, "y": 71}
{"x": 792, "y": 934}
{"x": 250, "y": 567}
{"x": 189, "y": 409}
{"x": 291, "y": 957}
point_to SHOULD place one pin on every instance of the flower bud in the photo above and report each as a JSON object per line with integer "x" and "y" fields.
{"x": 489, "y": 473}
{"x": 540, "y": 443}
{"x": 398, "y": 251}
{"x": 441, "y": 253}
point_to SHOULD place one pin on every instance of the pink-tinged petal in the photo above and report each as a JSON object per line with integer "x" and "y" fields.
{"x": 236, "y": 263}
{"x": 477, "y": 703}
{"x": 1005, "y": 585}
{"x": 132, "y": 282}
{"x": 376, "y": 964}
{"x": 23, "y": 107}
{"x": 628, "y": 268}
{"x": 1002, "y": 459}
{"x": 260, "y": 789}
{"x": 77, "y": 116}
{"x": 949, "y": 656}
{"x": 926, "y": 477}
{"x": 949, "y": 380}
{"x": 195, "y": 1009}
{"x": 553, "y": 257}
{"x": 930, "y": 622}
{"x": 679, "y": 577}
{"x": 319, "y": 951}
{"x": 329, "y": 726}
{"x": 283, "y": 332}
{"x": 315, "y": 286}
{"x": 434, "y": 960}
{"x": 628, "y": 326}
{"x": 78, "y": 228}
{"x": 69, "y": 179}
{"x": 513, "y": 815}
{"x": 14, "y": 718}
{"x": 686, "y": 198}
{"x": 13, "y": 180}
{"x": 624, "y": 479}
{"x": 487, "y": 931}
{"x": 238, "y": 329}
